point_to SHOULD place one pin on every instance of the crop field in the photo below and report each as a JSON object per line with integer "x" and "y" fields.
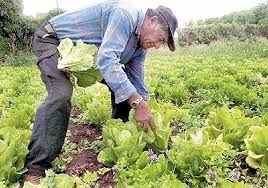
{"x": 211, "y": 115}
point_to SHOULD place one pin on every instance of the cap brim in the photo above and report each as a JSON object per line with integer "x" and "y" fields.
{"x": 171, "y": 43}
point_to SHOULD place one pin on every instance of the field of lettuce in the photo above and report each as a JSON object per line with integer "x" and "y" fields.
{"x": 211, "y": 115}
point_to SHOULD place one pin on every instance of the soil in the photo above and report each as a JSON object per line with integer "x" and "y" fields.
{"x": 75, "y": 112}
{"x": 81, "y": 132}
{"x": 107, "y": 180}
{"x": 86, "y": 160}
{"x": 2, "y": 58}
{"x": 177, "y": 128}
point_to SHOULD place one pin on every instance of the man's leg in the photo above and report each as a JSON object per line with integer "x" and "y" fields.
{"x": 121, "y": 110}
{"x": 51, "y": 119}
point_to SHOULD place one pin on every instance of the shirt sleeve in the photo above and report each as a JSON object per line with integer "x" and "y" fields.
{"x": 136, "y": 74}
{"x": 114, "y": 41}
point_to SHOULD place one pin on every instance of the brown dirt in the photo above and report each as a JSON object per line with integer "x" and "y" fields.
{"x": 2, "y": 58}
{"x": 87, "y": 161}
{"x": 81, "y": 132}
{"x": 195, "y": 98}
{"x": 75, "y": 112}
{"x": 106, "y": 180}
{"x": 177, "y": 128}
{"x": 84, "y": 161}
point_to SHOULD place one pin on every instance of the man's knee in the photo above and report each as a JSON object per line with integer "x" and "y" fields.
{"x": 64, "y": 93}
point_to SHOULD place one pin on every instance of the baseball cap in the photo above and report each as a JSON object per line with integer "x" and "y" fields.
{"x": 172, "y": 22}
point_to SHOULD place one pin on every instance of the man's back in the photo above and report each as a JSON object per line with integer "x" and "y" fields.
{"x": 90, "y": 23}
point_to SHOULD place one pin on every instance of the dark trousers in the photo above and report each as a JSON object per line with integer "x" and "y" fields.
{"x": 52, "y": 116}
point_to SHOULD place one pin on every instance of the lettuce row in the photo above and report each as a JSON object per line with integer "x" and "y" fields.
{"x": 147, "y": 173}
{"x": 124, "y": 142}
{"x": 230, "y": 126}
{"x": 13, "y": 149}
{"x": 195, "y": 155}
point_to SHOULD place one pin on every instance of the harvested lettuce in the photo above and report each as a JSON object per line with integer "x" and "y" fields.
{"x": 79, "y": 62}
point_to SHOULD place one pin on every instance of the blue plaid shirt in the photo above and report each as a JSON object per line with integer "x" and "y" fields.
{"x": 114, "y": 27}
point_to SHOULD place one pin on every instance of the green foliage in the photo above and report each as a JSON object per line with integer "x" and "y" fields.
{"x": 57, "y": 181}
{"x": 147, "y": 173}
{"x": 206, "y": 34}
{"x": 261, "y": 13}
{"x": 13, "y": 144}
{"x": 229, "y": 125}
{"x": 206, "y": 81}
{"x": 79, "y": 62}
{"x": 22, "y": 58}
{"x": 240, "y": 25}
{"x": 4, "y": 45}
{"x": 10, "y": 9}
{"x": 124, "y": 143}
{"x": 257, "y": 147}
{"x": 17, "y": 106}
{"x": 198, "y": 160}
{"x": 175, "y": 93}
{"x": 211, "y": 82}
{"x": 157, "y": 139}
{"x": 53, "y": 180}
{"x": 95, "y": 104}
{"x": 250, "y": 48}
{"x": 229, "y": 184}
{"x": 68, "y": 151}
{"x": 18, "y": 28}
{"x": 12, "y": 22}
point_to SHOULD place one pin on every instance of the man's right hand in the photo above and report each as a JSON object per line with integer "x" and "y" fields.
{"x": 143, "y": 113}
{"x": 144, "y": 117}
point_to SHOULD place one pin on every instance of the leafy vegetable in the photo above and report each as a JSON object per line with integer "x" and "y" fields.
{"x": 13, "y": 149}
{"x": 229, "y": 125}
{"x": 195, "y": 156}
{"x": 257, "y": 147}
{"x": 158, "y": 138}
{"x": 228, "y": 184}
{"x": 79, "y": 62}
{"x": 148, "y": 173}
{"x": 123, "y": 141}
{"x": 95, "y": 103}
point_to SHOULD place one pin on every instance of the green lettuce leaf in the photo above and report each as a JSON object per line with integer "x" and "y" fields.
{"x": 13, "y": 150}
{"x": 257, "y": 148}
{"x": 231, "y": 124}
{"x": 79, "y": 62}
{"x": 195, "y": 155}
{"x": 123, "y": 142}
{"x": 158, "y": 138}
{"x": 148, "y": 173}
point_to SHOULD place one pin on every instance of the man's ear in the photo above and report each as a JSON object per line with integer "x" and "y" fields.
{"x": 153, "y": 20}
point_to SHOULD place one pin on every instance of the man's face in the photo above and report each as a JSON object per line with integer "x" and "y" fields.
{"x": 152, "y": 36}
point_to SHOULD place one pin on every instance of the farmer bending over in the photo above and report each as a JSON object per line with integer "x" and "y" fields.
{"x": 122, "y": 35}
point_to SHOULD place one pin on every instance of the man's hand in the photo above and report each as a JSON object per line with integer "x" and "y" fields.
{"x": 144, "y": 117}
{"x": 143, "y": 113}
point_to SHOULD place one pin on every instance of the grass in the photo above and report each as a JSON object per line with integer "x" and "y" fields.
{"x": 22, "y": 58}
{"x": 251, "y": 48}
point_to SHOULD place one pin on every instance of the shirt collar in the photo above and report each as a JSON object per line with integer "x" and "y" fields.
{"x": 140, "y": 22}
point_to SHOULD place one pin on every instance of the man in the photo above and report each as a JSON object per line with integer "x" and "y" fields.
{"x": 122, "y": 35}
